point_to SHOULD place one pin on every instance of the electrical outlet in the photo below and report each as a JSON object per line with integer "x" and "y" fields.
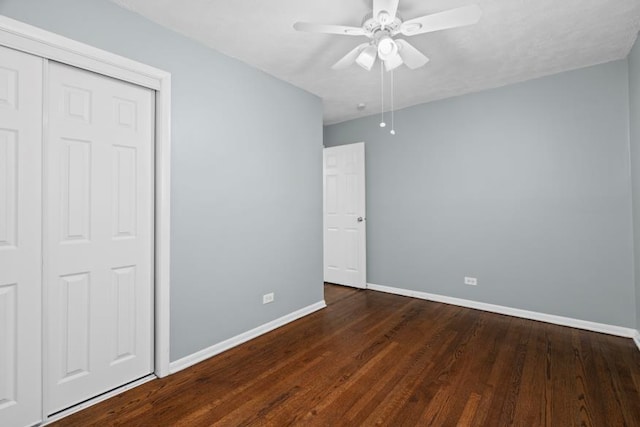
{"x": 472, "y": 281}
{"x": 267, "y": 298}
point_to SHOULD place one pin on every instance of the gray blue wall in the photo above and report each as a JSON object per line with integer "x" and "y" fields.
{"x": 634, "y": 122}
{"x": 246, "y": 174}
{"x": 525, "y": 187}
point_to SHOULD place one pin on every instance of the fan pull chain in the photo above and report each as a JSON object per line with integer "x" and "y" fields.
{"x": 393, "y": 129}
{"x": 382, "y": 123}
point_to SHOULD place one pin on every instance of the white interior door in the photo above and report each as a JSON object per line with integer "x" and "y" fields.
{"x": 345, "y": 233}
{"x": 20, "y": 219}
{"x": 98, "y": 235}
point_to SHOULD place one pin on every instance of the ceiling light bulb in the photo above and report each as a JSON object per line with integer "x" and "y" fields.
{"x": 387, "y": 48}
{"x": 393, "y": 132}
{"x": 382, "y": 124}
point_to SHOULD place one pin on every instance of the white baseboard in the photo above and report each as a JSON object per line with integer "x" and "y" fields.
{"x": 225, "y": 345}
{"x": 516, "y": 312}
{"x": 636, "y": 339}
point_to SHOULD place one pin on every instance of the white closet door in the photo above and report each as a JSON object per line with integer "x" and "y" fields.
{"x": 98, "y": 234}
{"x": 20, "y": 219}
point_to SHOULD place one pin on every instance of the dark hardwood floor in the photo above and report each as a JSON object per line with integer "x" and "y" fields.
{"x": 377, "y": 359}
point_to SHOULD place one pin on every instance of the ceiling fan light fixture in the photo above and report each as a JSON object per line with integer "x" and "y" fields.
{"x": 367, "y": 57}
{"x": 387, "y": 48}
{"x": 393, "y": 62}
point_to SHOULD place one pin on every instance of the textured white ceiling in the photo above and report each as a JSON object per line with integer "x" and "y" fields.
{"x": 515, "y": 40}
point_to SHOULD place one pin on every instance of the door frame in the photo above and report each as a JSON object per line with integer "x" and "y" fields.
{"x": 29, "y": 39}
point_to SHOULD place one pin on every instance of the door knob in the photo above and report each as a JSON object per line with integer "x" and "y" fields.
{"x": 360, "y": 219}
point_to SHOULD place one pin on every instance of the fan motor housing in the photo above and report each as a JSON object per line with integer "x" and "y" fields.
{"x": 371, "y": 25}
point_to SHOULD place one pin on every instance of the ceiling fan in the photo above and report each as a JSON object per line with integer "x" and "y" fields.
{"x": 383, "y": 24}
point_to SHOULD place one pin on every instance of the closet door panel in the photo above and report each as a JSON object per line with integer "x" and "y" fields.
{"x": 20, "y": 237}
{"x": 98, "y": 234}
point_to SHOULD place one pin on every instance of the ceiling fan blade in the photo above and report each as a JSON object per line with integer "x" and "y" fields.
{"x": 411, "y": 56}
{"x": 389, "y": 6}
{"x": 349, "y": 58}
{"x": 329, "y": 29}
{"x": 453, "y": 18}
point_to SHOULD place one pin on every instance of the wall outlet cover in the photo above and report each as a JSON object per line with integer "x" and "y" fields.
{"x": 472, "y": 281}
{"x": 267, "y": 298}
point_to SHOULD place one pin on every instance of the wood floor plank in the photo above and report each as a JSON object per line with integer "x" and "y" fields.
{"x": 372, "y": 358}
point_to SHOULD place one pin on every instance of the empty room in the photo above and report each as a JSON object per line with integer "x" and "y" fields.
{"x": 332, "y": 213}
